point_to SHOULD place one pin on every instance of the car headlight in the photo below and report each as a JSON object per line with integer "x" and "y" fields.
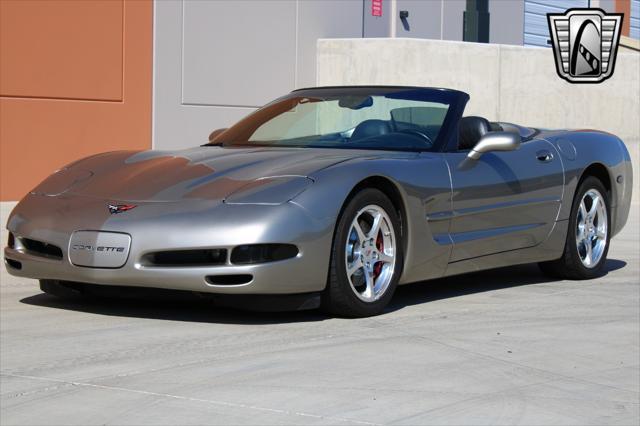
{"x": 61, "y": 181}
{"x": 272, "y": 190}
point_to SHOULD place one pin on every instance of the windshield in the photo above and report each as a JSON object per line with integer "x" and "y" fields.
{"x": 360, "y": 118}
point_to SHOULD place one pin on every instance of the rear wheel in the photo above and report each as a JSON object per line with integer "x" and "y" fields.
{"x": 366, "y": 258}
{"x": 587, "y": 244}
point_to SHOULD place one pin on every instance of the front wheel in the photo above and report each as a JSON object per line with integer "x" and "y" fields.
{"x": 366, "y": 258}
{"x": 587, "y": 244}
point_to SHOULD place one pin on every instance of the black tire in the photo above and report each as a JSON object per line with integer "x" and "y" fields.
{"x": 339, "y": 298}
{"x": 570, "y": 265}
{"x": 58, "y": 289}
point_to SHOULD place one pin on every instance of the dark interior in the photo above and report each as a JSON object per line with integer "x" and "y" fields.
{"x": 471, "y": 130}
{"x": 370, "y": 128}
{"x": 398, "y": 132}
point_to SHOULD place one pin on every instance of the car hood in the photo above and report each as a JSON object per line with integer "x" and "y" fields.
{"x": 199, "y": 173}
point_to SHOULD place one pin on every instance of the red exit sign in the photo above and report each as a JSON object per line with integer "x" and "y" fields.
{"x": 376, "y": 7}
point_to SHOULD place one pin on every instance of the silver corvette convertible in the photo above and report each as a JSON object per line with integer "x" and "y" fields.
{"x": 330, "y": 197}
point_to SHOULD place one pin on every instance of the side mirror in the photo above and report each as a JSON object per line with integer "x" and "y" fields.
{"x": 495, "y": 141}
{"x": 215, "y": 134}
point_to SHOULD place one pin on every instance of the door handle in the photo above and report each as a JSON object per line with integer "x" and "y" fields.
{"x": 544, "y": 156}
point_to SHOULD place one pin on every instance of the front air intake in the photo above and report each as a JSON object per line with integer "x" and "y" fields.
{"x": 262, "y": 253}
{"x": 184, "y": 258}
{"x": 229, "y": 279}
{"x": 40, "y": 248}
{"x": 13, "y": 263}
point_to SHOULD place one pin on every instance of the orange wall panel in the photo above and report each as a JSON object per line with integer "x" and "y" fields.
{"x": 87, "y": 96}
{"x": 624, "y": 6}
{"x": 62, "y": 49}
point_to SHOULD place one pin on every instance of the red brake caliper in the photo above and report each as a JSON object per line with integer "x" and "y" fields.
{"x": 377, "y": 268}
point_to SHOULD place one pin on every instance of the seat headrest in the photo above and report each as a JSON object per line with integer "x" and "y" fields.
{"x": 369, "y": 128}
{"x": 471, "y": 130}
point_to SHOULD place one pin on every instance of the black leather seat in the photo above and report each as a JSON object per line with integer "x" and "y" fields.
{"x": 369, "y": 128}
{"x": 471, "y": 130}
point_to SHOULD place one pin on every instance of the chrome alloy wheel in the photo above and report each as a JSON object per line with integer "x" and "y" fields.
{"x": 370, "y": 253}
{"x": 591, "y": 232}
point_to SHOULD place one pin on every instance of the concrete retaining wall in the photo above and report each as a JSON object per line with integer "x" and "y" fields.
{"x": 506, "y": 83}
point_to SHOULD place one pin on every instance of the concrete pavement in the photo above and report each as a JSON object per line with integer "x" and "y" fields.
{"x": 499, "y": 347}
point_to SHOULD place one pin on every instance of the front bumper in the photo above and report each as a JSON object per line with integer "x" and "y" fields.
{"x": 169, "y": 226}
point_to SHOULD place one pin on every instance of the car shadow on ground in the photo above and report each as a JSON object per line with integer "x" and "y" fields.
{"x": 194, "y": 309}
{"x": 479, "y": 282}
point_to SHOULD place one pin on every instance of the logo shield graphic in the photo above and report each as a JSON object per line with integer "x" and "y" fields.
{"x": 585, "y": 43}
{"x": 120, "y": 208}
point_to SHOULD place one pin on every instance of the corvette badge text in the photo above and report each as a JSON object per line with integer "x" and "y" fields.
{"x": 585, "y": 43}
{"x": 99, "y": 249}
{"x": 87, "y": 247}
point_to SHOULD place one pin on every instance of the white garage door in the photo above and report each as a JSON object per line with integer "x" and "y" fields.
{"x": 536, "y": 29}
{"x": 635, "y": 19}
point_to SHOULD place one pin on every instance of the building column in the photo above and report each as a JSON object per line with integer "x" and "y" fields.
{"x": 476, "y": 21}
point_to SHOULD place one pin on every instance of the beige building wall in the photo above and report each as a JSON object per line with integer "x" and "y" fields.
{"x": 506, "y": 83}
